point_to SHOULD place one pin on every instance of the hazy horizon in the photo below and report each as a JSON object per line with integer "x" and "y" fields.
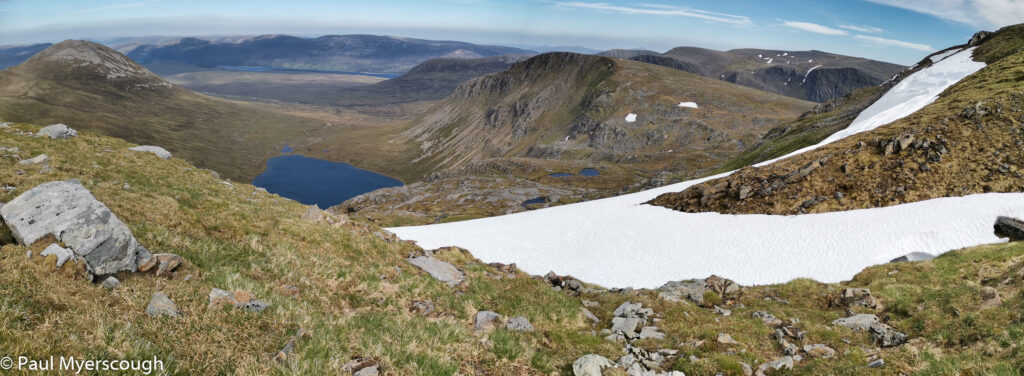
{"x": 895, "y": 31}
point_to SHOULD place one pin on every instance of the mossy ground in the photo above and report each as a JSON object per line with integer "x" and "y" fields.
{"x": 355, "y": 289}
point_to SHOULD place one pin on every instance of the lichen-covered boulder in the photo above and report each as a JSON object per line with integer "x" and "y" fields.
{"x": 57, "y": 131}
{"x": 66, "y": 210}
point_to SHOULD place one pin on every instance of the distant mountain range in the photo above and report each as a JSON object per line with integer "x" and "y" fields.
{"x": 14, "y": 55}
{"x": 812, "y": 75}
{"x": 351, "y": 53}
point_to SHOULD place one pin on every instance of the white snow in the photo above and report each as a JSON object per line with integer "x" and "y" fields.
{"x": 619, "y": 241}
{"x": 631, "y": 117}
{"x": 785, "y": 53}
{"x": 810, "y": 61}
{"x": 913, "y": 93}
{"x": 939, "y": 57}
{"x": 809, "y": 73}
{"x": 688, "y": 104}
{"x": 767, "y": 62}
{"x": 759, "y": 55}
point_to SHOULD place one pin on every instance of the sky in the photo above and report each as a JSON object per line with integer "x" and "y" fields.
{"x": 899, "y": 31}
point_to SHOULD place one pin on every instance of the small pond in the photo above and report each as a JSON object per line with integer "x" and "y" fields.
{"x": 590, "y": 172}
{"x": 316, "y": 181}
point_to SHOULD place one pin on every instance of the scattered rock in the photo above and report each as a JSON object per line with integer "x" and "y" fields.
{"x": 440, "y": 270}
{"x": 422, "y": 307}
{"x": 111, "y": 283}
{"x": 590, "y": 365}
{"x": 722, "y": 311}
{"x": 883, "y": 334}
{"x": 66, "y": 210}
{"x": 590, "y": 315}
{"x": 781, "y": 364}
{"x": 63, "y": 254}
{"x": 255, "y": 305}
{"x": 819, "y": 351}
{"x": 39, "y": 159}
{"x": 725, "y": 339}
{"x": 876, "y": 363}
{"x": 913, "y": 257}
{"x": 1009, "y": 227}
{"x": 570, "y": 285}
{"x": 486, "y": 320}
{"x": 856, "y": 297}
{"x": 164, "y": 263}
{"x": 519, "y": 324}
{"x": 629, "y": 321}
{"x": 57, "y": 131}
{"x": 651, "y": 332}
{"x": 368, "y": 371}
{"x": 313, "y": 214}
{"x": 159, "y": 151}
{"x": 161, "y": 305}
{"x": 220, "y": 297}
{"x": 767, "y": 318}
{"x": 695, "y": 290}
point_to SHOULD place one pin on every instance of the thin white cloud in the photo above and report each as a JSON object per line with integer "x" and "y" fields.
{"x": 660, "y": 10}
{"x": 863, "y": 29}
{"x": 897, "y": 43}
{"x": 991, "y": 14}
{"x": 111, "y": 7}
{"x": 814, "y": 28}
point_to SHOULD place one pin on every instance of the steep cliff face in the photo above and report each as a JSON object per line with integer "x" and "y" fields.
{"x": 580, "y": 107}
{"x": 811, "y": 75}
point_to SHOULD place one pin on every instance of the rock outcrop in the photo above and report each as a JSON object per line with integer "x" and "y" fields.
{"x": 1009, "y": 227}
{"x": 883, "y": 334}
{"x": 57, "y": 131}
{"x": 159, "y": 151}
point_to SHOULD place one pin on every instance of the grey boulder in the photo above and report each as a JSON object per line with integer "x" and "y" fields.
{"x": 161, "y": 305}
{"x": 440, "y": 270}
{"x": 519, "y": 324}
{"x": 486, "y": 320}
{"x": 590, "y": 365}
{"x": 66, "y": 210}
{"x": 57, "y": 131}
{"x": 159, "y": 151}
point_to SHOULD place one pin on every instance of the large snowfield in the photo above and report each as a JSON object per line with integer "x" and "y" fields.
{"x": 620, "y": 242}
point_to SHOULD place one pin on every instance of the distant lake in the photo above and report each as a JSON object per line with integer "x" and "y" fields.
{"x": 590, "y": 172}
{"x": 318, "y": 182}
{"x": 267, "y": 69}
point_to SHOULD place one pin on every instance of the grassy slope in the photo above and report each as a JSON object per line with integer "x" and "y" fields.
{"x": 976, "y": 163}
{"x": 355, "y": 289}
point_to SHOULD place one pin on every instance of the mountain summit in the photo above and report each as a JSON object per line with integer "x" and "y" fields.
{"x": 81, "y": 61}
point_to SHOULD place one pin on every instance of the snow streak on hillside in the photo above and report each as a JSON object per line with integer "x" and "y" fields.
{"x": 620, "y": 242}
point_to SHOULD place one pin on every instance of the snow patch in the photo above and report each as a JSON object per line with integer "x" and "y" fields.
{"x": 939, "y": 57}
{"x": 809, "y": 73}
{"x": 688, "y": 104}
{"x": 769, "y": 61}
{"x": 631, "y": 117}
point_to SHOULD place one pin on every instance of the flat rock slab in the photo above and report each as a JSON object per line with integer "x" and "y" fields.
{"x": 159, "y": 151}
{"x": 440, "y": 270}
{"x": 66, "y": 210}
{"x": 57, "y": 131}
{"x": 161, "y": 305}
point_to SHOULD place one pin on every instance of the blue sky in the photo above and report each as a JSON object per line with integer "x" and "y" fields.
{"x": 901, "y": 31}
